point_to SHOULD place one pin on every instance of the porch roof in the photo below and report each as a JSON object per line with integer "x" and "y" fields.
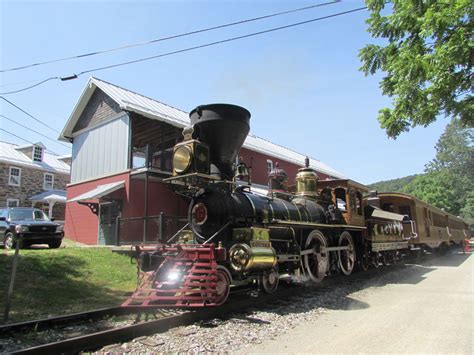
{"x": 99, "y": 191}
{"x": 50, "y": 196}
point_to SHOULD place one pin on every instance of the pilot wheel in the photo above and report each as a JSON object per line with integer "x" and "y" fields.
{"x": 269, "y": 280}
{"x": 223, "y": 285}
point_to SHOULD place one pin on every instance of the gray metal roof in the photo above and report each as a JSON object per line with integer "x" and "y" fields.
{"x": 99, "y": 191}
{"x": 11, "y": 154}
{"x": 131, "y": 101}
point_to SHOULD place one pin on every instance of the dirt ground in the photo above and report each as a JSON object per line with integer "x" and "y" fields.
{"x": 427, "y": 310}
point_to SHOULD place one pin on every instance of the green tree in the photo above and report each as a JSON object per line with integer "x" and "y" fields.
{"x": 435, "y": 188}
{"x": 467, "y": 212}
{"x": 427, "y": 61}
{"x": 448, "y": 181}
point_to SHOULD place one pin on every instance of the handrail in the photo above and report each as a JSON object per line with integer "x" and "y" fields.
{"x": 217, "y": 233}
{"x": 414, "y": 234}
{"x": 449, "y": 233}
{"x": 154, "y": 216}
{"x": 177, "y": 233}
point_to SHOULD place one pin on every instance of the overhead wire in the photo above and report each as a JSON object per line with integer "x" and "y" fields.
{"x": 31, "y": 86}
{"x": 74, "y": 76}
{"x": 26, "y": 140}
{"x": 162, "y": 39}
{"x": 216, "y": 42}
{"x": 29, "y": 114}
{"x": 32, "y": 130}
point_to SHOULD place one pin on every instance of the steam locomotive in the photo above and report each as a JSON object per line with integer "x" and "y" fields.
{"x": 236, "y": 237}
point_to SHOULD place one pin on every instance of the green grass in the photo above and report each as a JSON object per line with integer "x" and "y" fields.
{"x": 52, "y": 282}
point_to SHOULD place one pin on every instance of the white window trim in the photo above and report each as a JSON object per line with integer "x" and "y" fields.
{"x": 42, "y": 154}
{"x": 52, "y": 181}
{"x": 10, "y": 175}
{"x": 13, "y": 200}
{"x": 269, "y": 163}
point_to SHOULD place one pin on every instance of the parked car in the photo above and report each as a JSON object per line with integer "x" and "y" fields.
{"x": 29, "y": 224}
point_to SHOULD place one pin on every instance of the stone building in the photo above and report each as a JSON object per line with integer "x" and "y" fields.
{"x": 32, "y": 176}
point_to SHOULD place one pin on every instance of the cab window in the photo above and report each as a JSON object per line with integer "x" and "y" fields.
{"x": 405, "y": 210}
{"x": 340, "y": 194}
{"x": 359, "y": 203}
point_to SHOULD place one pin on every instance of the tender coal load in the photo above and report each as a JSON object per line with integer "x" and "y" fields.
{"x": 224, "y": 128}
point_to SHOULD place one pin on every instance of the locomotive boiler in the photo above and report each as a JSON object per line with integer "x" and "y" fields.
{"x": 236, "y": 237}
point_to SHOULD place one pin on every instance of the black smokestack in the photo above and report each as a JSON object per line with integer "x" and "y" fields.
{"x": 224, "y": 128}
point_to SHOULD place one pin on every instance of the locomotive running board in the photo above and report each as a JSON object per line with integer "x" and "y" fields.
{"x": 187, "y": 277}
{"x": 318, "y": 225}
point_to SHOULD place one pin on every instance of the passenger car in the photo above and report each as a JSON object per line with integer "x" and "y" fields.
{"x": 31, "y": 224}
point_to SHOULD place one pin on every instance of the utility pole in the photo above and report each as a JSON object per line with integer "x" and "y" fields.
{"x": 12, "y": 281}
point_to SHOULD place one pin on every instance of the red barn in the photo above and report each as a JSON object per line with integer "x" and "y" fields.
{"x": 121, "y": 152}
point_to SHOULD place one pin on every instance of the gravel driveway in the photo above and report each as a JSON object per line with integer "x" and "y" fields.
{"x": 416, "y": 308}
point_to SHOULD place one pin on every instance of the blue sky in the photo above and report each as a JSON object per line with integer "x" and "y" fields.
{"x": 302, "y": 85}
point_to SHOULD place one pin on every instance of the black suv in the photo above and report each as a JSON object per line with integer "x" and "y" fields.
{"x": 29, "y": 224}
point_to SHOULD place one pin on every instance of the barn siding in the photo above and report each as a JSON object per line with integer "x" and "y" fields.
{"x": 99, "y": 108}
{"x": 81, "y": 224}
{"x": 259, "y": 166}
{"x": 103, "y": 150}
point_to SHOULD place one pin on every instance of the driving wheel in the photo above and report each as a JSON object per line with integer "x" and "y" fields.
{"x": 347, "y": 257}
{"x": 317, "y": 262}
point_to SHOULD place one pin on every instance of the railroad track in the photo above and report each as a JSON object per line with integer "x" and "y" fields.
{"x": 42, "y": 324}
{"x": 238, "y": 303}
{"x": 167, "y": 318}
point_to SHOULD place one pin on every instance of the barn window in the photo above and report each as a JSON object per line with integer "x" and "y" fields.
{"x": 269, "y": 165}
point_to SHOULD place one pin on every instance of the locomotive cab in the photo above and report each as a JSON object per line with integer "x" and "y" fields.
{"x": 347, "y": 196}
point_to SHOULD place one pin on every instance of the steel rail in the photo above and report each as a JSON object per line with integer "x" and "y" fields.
{"x": 238, "y": 303}
{"x": 100, "y": 339}
{"x": 41, "y": 324}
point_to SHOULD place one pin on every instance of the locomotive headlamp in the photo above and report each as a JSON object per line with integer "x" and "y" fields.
{"x": 191, "y": 157}
{"x": 173, "y": 276}
{"x": 182, "y": 159}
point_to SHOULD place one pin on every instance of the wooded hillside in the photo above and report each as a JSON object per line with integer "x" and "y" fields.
{"x": 394, "y": 185}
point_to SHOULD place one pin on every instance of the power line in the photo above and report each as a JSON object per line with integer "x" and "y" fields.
{"x": 219, "y": 42}
{"x": 30, "y": 87}
{"x": 25, "y": 140}
{"x": 17, "y": 83}
{"x": 75, "y": 76}
{"x": 162, "y": 39}
{"x": 29, "y": 115}
{"x": 19, "y": 124}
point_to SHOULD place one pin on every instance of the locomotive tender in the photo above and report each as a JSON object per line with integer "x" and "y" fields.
{"x": 237, "y": 237}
